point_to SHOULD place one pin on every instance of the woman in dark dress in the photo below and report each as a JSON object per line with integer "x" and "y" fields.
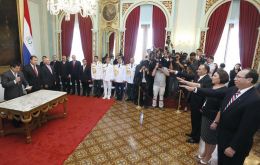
{"x": 210, "y": 113}
{"x": 233, "y": 74}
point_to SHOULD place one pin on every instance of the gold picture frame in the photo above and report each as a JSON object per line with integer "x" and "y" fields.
{"x": 19, "y": 9}
{"x": 109, "y": 12}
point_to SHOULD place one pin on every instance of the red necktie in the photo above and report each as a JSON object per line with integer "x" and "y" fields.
{"x": 35, "y": 71}
{"x": 233, "y": 98}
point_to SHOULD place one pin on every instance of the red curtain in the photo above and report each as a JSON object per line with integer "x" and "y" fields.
{"x": 132, "y": 25}
{"x": 111, "y": 43}
{"x": 216, "y": 26}
{"x": 67, "y": 28}
{"x": 159, "y": 25}
{"x": 249, "y": 21}
{"x": 85, "y": 26}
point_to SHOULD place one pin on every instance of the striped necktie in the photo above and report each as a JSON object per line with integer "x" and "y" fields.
{"x": 233, "y": 98}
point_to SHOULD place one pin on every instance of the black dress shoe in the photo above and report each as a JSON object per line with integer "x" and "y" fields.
{"x": 192, "y": 141}
{"x": 188, "y": 134}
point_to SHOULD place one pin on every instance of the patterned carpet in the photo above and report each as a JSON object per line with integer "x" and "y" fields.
{"x": 126, "y": 135}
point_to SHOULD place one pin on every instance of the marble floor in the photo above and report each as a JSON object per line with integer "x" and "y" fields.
{"x": 126, "y": 135}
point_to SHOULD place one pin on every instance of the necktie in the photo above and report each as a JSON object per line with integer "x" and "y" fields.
{"x": 131, "y": 65}
{"x": 74, "y": 64}
{"x": 35, "y": 71}
{"x": 49, "y": 67}
{"x": 119, "y": 66}
{"x": 107, "y": 65}
{"x": 233, "y": 98}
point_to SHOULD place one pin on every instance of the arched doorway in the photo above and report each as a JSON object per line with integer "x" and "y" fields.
{"x": 145, "y": 28}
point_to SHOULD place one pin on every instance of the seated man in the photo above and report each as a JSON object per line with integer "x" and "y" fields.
{"x": 12, "y": 81}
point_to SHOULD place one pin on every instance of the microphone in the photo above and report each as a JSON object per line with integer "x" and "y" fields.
{"x": 18, "y": 76}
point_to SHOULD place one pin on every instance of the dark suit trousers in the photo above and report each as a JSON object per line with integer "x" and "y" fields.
{"x": 65, "y": 84}
{"x": 195, "y": 123}
{"x": 130, "y": 91}
{"x": 143, "y": 99}
{"x": 237, "y": 159}
{"x": 97, "y": 88}
{"x": 119, "y": 90}
{"x": 57, "y": 85}
{"x": 86, "y": 88}
{"x": 73, "y": 80}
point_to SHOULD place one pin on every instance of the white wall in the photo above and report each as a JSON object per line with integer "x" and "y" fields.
{"x": 42, "y": 28}
{"x": 186, "y": 24}
{"x": 34, "y": 9}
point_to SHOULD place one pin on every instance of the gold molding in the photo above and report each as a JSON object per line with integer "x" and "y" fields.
{"x": 168, "y": 5}
{"x": 59, "y": 45}
{"x": 257, "y": 55}
{"x": 209, "y": 3}
{"x": 116, "y": 8}
{"x": 122, "y": 41}
{"x": 202, "y": 40}
{"x": 125, "y": 7}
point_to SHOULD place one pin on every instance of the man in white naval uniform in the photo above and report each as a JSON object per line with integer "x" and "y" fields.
{"x": 96, "y": 74}
{"x": 108, "y": 76}
{"x": 130, "y": 73}
{"x": 119, "y": 72}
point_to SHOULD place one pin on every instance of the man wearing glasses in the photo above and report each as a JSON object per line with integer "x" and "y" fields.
{"x": 240, "y": 117}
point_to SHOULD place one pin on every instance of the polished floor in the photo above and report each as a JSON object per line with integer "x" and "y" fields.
{"x": 126, "y": 135}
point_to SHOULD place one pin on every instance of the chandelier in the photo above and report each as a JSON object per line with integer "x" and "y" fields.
{"x": 84, "y": 7}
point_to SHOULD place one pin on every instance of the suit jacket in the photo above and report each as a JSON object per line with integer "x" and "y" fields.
{"x": 47, "y": 77}
{"x": 196, "y": 101}
{"x": 33, "y": 79}
{"x": 74, "y": 71}
{"x": 64, "y": 69}
{"x": 12, "y": 89}
{"x": 56, "y": 67}
{"x": 239, "y": 122}
{"x": 85, "y": 75}
{"x": 139, "y": 76}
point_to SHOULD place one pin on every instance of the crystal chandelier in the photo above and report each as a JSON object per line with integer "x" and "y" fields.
{"x": 84, "y": 7}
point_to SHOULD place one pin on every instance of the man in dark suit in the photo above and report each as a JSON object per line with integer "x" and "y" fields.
{"x": 32, "y": 73}
{"x": 239, "y": 119}
{"x": 74, "y": 73}
{"x": 64, "y": 74}
{"x": 56, "y": 67}
{"x": 196, "y": 101}
{"x": 85, "y": 78}
{"x": 48, "y": 75}
{"x": 12, "y": 81}
{"x": 42, "y": 62}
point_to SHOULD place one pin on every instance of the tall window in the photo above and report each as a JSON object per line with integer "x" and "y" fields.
{"x": 76, "y": 42}
{"x": 228, "y": 49}
{"x": 144, "y": 34}
{"x": 140, "y": 40}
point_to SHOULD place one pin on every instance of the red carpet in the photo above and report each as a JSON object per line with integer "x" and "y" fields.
{"x": 56, "y": 139}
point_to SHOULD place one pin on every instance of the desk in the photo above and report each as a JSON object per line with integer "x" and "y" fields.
{"x": 31, "y": 110}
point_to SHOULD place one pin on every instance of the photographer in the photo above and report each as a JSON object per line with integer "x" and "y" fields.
{"x": 141, "y": 80}
{"x": 159, "y": 73}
